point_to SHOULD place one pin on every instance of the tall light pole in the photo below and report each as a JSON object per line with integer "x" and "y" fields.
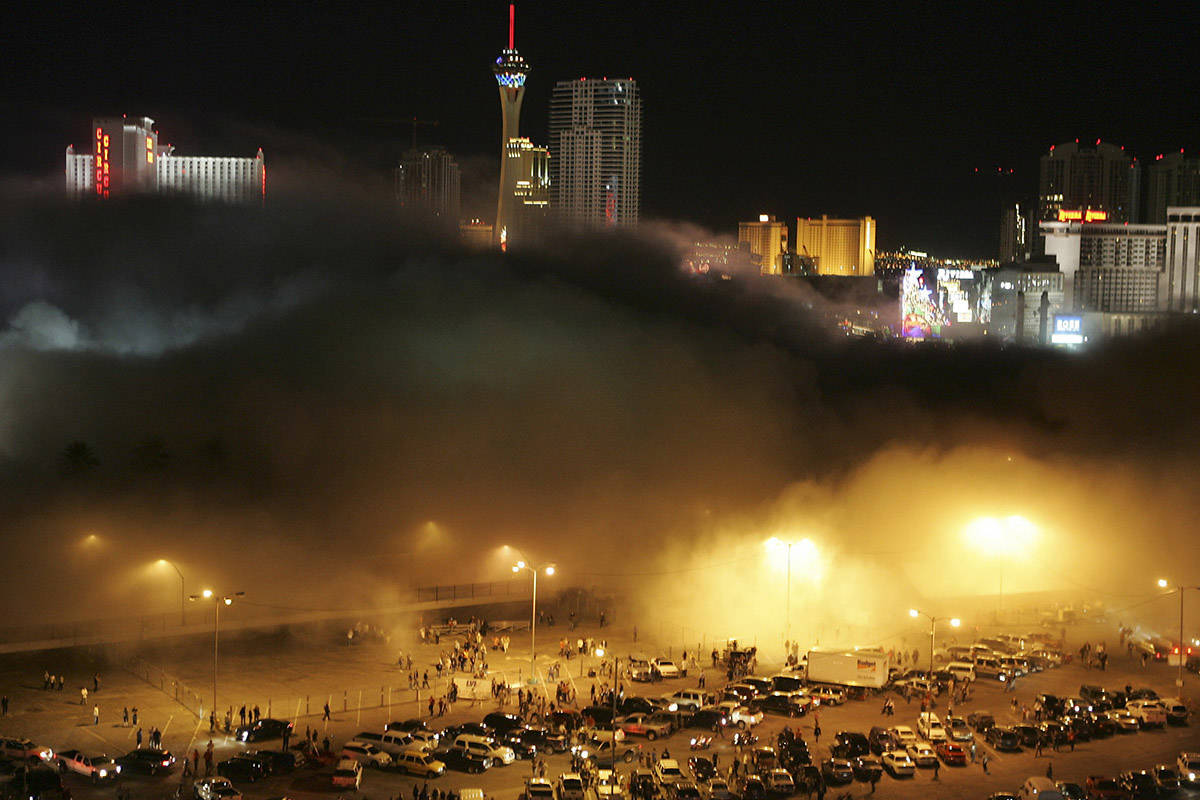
{"x": 226, "y": 600}
{"x": 162, "y": 562}
{"x": 807, "y": 550}
{"x": 1010, "y": 537}
{"x": 1163, "y": 584}
{"x": 933, "y": 621}
{"x": 533, "y": 570}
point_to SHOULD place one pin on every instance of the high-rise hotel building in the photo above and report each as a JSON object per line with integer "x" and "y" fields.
{"x": 839, "y": 246}
{"x": 126, "y": 158}
{"x": 768, "y": 242}
{"x": 596, "y": 152}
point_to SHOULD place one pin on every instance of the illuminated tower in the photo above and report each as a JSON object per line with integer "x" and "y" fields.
{"x": 510, "y": 71}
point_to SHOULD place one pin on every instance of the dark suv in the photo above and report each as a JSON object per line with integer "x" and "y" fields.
{"x": 881, "y": 740}
{"x": 849, "y": 745}
{"x": 265, "y": 728}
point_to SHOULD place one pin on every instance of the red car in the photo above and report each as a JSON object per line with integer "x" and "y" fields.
{"x": 1101, "y": 788}
{"x": 951, "y": 754}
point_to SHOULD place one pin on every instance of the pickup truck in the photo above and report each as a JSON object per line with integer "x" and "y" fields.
{"x": 97, "y": 768}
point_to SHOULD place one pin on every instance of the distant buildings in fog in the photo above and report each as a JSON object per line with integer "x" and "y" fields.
{"x": 126, "y": 158}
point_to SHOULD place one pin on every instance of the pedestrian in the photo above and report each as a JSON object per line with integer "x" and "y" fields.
{"x": 242, "y": 715}
{"x": 972, "y": 752}
{"x": 817, "y": 732}
{"x": 96, "y": 682}
{"x": 1037, "y": 748}
{"x": 96, "y": 715}
{"x": 61, "y": 679}
{"x": 125, "y": 715}
{"x": 325, "y": 745}
{"x": 1050, "y": 771}
{"x": 4, "y": 706}
{"x": 212, "y": 721}
{"x": 985, "y": 763}
{"x": 208, "y": 759}
{"x": 937, "y": 765}
{"x": 257, "y": 714}
{"x": 138, "y": 736}
{"x": 1071, "y": 739}
{"x": 326, "y": 715}
{"x": 83, "y": 695}
{"x": 195, "y": 761}
{"x": 134, "y": 714}
{"x": 47, "y": 680}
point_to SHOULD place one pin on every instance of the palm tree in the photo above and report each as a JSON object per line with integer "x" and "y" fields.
{"x": 77, "y": 459}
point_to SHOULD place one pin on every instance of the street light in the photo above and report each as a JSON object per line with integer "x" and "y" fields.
{"x": 1163, "y": 584}
{"x": 533, "y": 570}
{"x": 1007, "y": 538}
{"x": 162, "y": 562}
{"x": 808, "y": 552}
{"x": 933, "y": 621}
{"x": 226, "y": 600}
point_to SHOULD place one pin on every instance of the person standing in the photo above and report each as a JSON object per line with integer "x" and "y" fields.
{"x": 984, "y": 761}
{"x": 937, "y": 766}
{"x": 195, "y": 761}
{"x": 96, "y": 682}
{"x": 208, "y": 759}
{"x": 96, "y": 715}
{"x": 326, "y": 715}
{"x": 83, "y": 695}
{"x": 4, "y": 706}
{"x": 125, "y": 715}
{"x": 135, "y": 715}
{"x": 138, "y": 738}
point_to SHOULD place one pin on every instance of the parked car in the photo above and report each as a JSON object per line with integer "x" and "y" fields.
{"x": 569, "y": 787}
{"x": 1166, "y": 777}
{"x": 904, "y": 735}
{"x": 898, "y": 764}
{"x": 1139, "y": 783}
{"x": 1148, "y": 713}
{"x": 1099, "y": 787}
{"x": 751, "y": 787}
{"x": 215, "y": 789}
{"x": 779, "y": 781}
{"x": 500, "y": 722}
{"x": 241, "y": 769}
{"x": 408, "y": 726}
{"x": 643, "y": 725}
{"x": 739, "y": 715}
{"x": 981, "y": 720}
{"x": 791, "y": 704}
{"x": 921, "y": 754}
{"x": 951, "y": 753}
{"x": 716, "y": 789}
{"x": 1188, "y": 765}
{"x": 1027, "y": 735}
{"x": 958, "y": 730}
{"x": 147, "y": 761}
{"x": 458, "y": 760}
{"x": 280, "y": 761}
{"x": 366, "y": 754}
{"x": 95, "y": 768}
{"x": 264, "y": 728}
{"x": 837, "y": 771}
{"x": 849, "y": 744}
{"x": 667, "y": 771}
{"x": 881, "y": 740}
{"x": 666, "y": 667}
{"x": 347, "y": 774}
{"x": 1177, "y": 712}
{"x": 866, "y": 768}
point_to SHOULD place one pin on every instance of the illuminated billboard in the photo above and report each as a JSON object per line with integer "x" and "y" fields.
{"x": 1082, "y": 215}
{"x": 919, "y": 315}
{"x": 1068, "y": 329}
{"x": 936, "y": 301}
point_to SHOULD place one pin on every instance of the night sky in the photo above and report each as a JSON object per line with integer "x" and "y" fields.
{"x": 795, "y": 109}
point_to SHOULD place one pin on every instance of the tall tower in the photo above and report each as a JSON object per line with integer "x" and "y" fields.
{"x": 510, "y": 70}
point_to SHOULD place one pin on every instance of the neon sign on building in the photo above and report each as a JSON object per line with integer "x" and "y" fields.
{"x": 1080, "y": 215}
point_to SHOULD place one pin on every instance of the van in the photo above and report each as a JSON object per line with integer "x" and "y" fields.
{"x": 482, "y": 746}
{"x": 639, "y": 669}
{"x": 1040, "y": 788}
{"x": 1013, "y": 666}
{"x": 961, "y": 670}
{"x": 930, "y": 727}
{"x": 989, "y": 667}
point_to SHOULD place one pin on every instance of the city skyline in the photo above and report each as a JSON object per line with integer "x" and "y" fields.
{"x": 909, "y": 161}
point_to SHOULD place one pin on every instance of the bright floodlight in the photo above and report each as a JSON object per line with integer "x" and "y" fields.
{"x": 1162, "y": 582}
{"x": 162, "y": 562}
{"x": 520, "y": 565}
{"x": 549, "y": 570}
{"x": 516, "y": 568}
{"x": 1011, "y": 536}
{"x": 206, "y": 594}
{"x": 912, "y": 612}
{"x": 955, "y": 622}
{"x": 599, "y": 652}
{"x": 228, "y": 601}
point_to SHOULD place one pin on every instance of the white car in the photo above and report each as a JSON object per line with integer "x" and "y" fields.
{"x": 666, "y": 667}
{"x": 570, "y": 786}
{"x": 667, "y": 772}
{"x": 537, "y": 789}
{"x": 780, "y": 782}
{"x": 1188, "y": 765}
{"x": 1148, "y": 712}
{"x": 922, "y": 754}
{"x": 98, "y": 768}
{"x": 608, "y": 785}
{"x": 426, "y": 740}
{"x": 366, "y": 754}
{"x": 739, "y": 715}
{"x": 898, "y": 763}
{"x": 930, "y": 727}
{"x": 904, "y": 735}
{"x": 215, "y": 789}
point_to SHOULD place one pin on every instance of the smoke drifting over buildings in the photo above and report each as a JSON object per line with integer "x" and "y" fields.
{"x": 294, "y": 401}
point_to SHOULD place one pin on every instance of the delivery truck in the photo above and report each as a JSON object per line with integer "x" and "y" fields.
{"x": 848, "y": 668}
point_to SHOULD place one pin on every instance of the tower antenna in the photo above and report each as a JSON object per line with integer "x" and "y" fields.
{"x": 512, "y": 19}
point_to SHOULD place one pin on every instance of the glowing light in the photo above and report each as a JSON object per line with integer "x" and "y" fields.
{"x": 599, "y": 652}
{"x": 764, "y": 217}
{"x": 1162, "y": 583}
{"x": 955, "y": 622}
{"x": 549, "y": 570}
{"x": 1011, "y": 536}
{"x": 516, "y": 568}
{"x": 520, "y": 565}
{"x": 1079, "y": 215}
{"x": 206, "y": 594}
{"x": 228, "y": 601}
{"x": 912, "y": 612}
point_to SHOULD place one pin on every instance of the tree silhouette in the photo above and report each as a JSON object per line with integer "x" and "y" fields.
{"x": 77, "y": 459}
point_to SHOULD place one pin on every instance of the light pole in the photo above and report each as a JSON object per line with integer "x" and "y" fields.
{"x": 533, "y": 570}
{"x": 182, "y": 588}
{"x": 1011, "y": 537}
{"x": 933, "y": 621}
{"x": 226, "y": 600}
{"x": 1163, "y": 584}
{"x": 808, "y": 550}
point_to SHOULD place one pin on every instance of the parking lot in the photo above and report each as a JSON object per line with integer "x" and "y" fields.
{"x": 316, "y": 671}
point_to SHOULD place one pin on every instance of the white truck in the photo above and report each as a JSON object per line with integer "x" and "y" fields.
{"x": 848, "y": 668}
